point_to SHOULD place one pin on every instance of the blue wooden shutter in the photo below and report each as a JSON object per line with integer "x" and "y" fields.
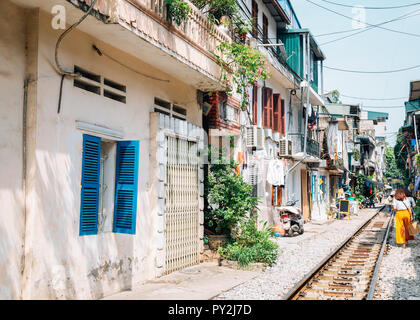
{"x": 126, "y": 179}
{"x": 90, "y": 185}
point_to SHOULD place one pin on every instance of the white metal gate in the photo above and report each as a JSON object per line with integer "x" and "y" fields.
{"x": 181, "y": 204}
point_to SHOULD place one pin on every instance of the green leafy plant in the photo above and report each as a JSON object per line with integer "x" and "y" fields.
{"x": 178, "y": 10}
{"x": 417, "y": 210}
{"x": 360, "y": 198}
{"x": 248, "y": 65}
{"x": 229, "y": 197}
{"x": 335, "y": 94}
{"x": 359, "y": 188}
{"x": 251, "y": 245}
{"x": 356, "y": 154}
{"x": 216, "y": 9}
{"x": 240, "y": 29}
{"x": 417, "y": 159}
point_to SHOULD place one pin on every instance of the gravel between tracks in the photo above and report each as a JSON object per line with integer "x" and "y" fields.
{"x": 399, "y": 274}
{"x": 298, "y": 256}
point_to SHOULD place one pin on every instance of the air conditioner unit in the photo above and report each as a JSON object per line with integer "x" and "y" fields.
{"x": 285, "y": 146}
{"x": 254, "y": 137}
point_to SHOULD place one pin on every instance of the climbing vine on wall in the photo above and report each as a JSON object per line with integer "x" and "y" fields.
{"x": 248, "y": 66}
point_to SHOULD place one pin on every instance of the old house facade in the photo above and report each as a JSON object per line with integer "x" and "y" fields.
{"x": 93, "y": 202}
{"x": 103, "y": 124}
{"x": 277, "y": 129}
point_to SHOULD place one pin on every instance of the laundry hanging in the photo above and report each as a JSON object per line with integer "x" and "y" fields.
{"x": 276, "y": 172}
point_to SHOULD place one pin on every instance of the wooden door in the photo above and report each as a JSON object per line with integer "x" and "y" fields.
{"x": 305, "y": 204}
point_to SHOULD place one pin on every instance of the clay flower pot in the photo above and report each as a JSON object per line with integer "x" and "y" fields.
{"x": 216, "y": 241}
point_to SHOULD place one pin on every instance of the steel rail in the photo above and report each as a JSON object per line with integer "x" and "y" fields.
{"x": 297, "y": 288}
{"x": 378, "y": 262}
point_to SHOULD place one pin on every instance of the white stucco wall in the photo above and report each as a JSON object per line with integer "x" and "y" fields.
{"x": 12, "y": 73}
{"x": 59, "y": 262}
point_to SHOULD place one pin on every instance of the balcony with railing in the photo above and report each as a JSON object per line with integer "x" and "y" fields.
{"x": 298, "y": 144}
{"x": 191, "y": 43}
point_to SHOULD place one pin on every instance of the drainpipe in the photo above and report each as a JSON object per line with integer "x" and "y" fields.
{"x": 24, "y": 171}
{"x": 322, "y": 78}
{"x": 308, "y": 51}
{"x": 415, "y": 132}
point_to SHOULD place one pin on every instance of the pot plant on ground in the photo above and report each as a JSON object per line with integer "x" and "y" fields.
{"x": 251, "y": 245}
{"x": 232, "y": 213}
{"x": 229, "y": 198}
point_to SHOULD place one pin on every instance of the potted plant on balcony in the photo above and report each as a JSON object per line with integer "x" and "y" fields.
{"x": 217, "y": 10}
{"x": 240, "y": 29}
{"x": 178, "y": 10}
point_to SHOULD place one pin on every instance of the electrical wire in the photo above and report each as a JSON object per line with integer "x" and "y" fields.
{"x": 382, "y": 99}
{"x": 364, "y": 29}
{"x": 353, "y": 19}
{"x": 60, "y": 93}
{"x": 57, "y": 45}
{"x": 385, "y": 107}
{"x": 372, "y": 72}
{"x": 370, "y": 28}
{"x": 100, "y": 52}
{"x": 373, "y": 8}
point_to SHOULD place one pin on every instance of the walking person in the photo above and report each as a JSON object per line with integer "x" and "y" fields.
{"x": 410, "y": 199}
{"x": 390, "y": 201}
{"x": 380, "y": 197}
{"x": 403, "y": 217}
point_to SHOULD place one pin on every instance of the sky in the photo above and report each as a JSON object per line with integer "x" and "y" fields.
{"x": 372, "y": 50}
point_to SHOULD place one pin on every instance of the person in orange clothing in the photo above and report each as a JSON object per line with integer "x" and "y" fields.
{"x": 403, "y": 217}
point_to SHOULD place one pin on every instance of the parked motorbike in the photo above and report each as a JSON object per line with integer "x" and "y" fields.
{"x": 291, "y": 218}
{"x": 368, "y": 203}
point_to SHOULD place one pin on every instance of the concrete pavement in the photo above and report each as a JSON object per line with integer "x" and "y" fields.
{"x": 207, "y": 280}
{"x": 201, "y": 282}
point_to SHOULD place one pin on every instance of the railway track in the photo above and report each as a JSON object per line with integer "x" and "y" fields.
{"x": 350, "y": 272}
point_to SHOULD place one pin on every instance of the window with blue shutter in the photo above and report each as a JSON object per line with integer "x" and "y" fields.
{"x": 90, "y": 185}
{"x": 126, "y": 180}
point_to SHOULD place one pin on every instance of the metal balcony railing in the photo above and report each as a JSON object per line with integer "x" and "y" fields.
{"x": 298, "y": 141}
